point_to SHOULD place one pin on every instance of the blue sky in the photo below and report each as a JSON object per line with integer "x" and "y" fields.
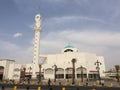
{"x": 89, "y": 25}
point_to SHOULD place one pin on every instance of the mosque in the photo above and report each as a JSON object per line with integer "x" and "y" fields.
{"x": 59, "y": 66}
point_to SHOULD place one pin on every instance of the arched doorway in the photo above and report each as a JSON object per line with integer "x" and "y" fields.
{"x": 81, "y": 72}
{"x": 48, "y": 73}
{"x": 1, "y": 72}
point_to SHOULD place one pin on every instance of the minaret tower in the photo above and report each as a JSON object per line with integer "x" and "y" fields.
{"x": 37, "y": 30}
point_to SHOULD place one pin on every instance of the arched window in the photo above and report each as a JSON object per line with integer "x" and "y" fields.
{"x": 68, "y": 50}
{"x": 1, "y": 68}
{"x": 49, "y": 71}
{"x": 81, "y": 72}
{"x": 68, "y": 72}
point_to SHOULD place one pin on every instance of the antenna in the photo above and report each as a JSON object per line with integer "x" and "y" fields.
{"x": 38, "y": 7}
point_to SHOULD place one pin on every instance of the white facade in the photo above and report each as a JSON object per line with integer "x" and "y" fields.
{"x": 63, "y": 62}
{"x": 8, "y": 66}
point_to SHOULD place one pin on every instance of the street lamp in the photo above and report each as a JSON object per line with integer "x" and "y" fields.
{"x": 98, "y": 69}
{"x": 24, "y": 70}
{"x": 73, "y": 71}
{"x": 29, "y": 74}
{"x": 81, "y": 73}
{"x": 29, "y": 71}
{"x": 117, "y": 67}
{"x": 55, "y": 70}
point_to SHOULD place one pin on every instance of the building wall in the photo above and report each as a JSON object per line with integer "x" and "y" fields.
{"x": 63, "y": 60}
{"x": 8, "y": 68}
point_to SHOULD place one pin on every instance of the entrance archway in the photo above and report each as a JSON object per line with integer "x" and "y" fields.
{"x": 1, "y": 72}
{"x": 81, "y": 72}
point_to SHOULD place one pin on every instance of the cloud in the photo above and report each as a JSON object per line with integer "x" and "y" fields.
{"x": 12, "y": 51}
{"x": 88, "y": 37}
{"x": 74, "y": 18}
{"x": 17, "y": 35}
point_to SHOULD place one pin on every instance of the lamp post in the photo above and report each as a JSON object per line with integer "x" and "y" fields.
{"x": 55, "y": 70}
{"x": 40, "y": 66}
{"x": 30, "y": 71}
{"x": 98, "y": 69}
{"x": 73, "y": 71}
{"x": 40, "y": 63}
{"x": 81, "y": 73}
{"x": 117, "y": 67}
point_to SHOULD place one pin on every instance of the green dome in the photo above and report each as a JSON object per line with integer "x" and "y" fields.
{"x": 68, "y": 46}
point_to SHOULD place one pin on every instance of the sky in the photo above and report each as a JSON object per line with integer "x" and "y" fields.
{"x": 90, "y": 25}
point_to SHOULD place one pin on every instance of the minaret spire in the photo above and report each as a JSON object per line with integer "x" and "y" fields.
{"x": 36, "y": 54}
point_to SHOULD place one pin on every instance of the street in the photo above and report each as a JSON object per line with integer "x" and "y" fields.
{"x": 58, "y": 87}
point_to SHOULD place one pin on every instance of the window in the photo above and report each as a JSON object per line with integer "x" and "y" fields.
{"x": 59, "y": 76}
{"x": 49, "y": 71}
{"x": 16, "y": 69}
{"x": 68, "y": 50}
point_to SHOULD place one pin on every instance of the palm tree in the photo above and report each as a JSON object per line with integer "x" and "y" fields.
{"x": 117, "y": 67}
{"x": 73, "y": 71}
{"x": 24, "y": 70}
{"x": 55, "y": 70}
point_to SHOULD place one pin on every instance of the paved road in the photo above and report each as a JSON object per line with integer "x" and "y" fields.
{"x": 46, "y": 87}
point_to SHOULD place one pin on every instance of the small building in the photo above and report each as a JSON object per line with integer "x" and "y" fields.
{"x": 6, "y": 67}
{"x": 113, "y": 73}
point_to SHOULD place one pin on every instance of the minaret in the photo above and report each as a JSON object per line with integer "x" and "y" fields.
{"x": 37, "y": 30}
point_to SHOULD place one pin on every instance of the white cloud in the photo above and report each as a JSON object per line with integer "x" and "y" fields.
{"x": 17, "y": 35}
{"x": 12, "y": 51}
{"x": 91, "y": 37}
{"x": 64, "y": 19}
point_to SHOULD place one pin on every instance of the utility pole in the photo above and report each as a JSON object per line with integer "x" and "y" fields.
{"x": 117, "y": 67}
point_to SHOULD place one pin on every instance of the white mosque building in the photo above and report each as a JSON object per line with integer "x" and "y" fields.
{"x": 48, "y": 65}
